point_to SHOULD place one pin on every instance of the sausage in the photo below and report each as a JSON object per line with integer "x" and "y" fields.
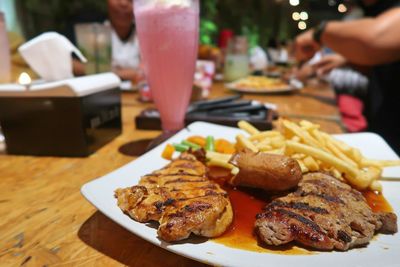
{"x": 270, "y": 172}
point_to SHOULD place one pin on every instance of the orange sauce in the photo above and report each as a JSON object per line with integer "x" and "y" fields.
{"x": 377, "y": 202}
{"x": 248, "y": 203}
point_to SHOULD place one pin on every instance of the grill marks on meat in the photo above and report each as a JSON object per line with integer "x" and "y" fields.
{"x": 181, "y": 198}
{"x": 323, "y": 213}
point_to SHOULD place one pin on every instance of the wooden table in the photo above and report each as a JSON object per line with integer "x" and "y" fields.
{"x": 45, "y": 221}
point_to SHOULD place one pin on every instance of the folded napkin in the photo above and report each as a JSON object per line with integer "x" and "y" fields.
{"x": 74, "y": 87}
{"x": 49, "y": 55}
{"x": 351, "y": 109}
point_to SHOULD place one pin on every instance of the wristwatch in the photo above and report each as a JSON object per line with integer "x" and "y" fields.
{"x": 318, "y": 31}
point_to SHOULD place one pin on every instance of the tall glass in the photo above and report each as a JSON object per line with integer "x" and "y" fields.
{"x": 94, "y": 41}
{"x": 237, "y": 59}
{"x": 168, "y": 32}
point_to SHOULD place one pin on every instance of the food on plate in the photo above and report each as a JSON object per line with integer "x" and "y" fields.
{"x": 323, "y": 213}
{"x": 270, "y": 172}
{"x": 260, "y": 83}
{"x": 317, "y": 178}
{"x": 316, "y": 150}
{"x": 313, "y": 149}
{"x": 181, "y": 198}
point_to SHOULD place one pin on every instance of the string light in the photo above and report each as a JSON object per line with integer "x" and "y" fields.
{"x": 294, "y": 2}
{"x": 342, "y": 8}
{"x": 304, "y": 15}
{"x": 296, "y": 16}
{"x": 302, "y": 25}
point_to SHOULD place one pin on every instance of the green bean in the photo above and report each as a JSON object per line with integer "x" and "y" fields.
{"x": 180, "y": 147}
{"x": 210, "y": 146}
{"x": 190, "y": 144}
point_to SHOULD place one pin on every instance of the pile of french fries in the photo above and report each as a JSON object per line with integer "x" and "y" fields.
{"x": 314, "y": 150}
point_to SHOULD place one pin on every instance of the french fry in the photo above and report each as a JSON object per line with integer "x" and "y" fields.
{"x": 221, "y": 160}
{"x": 266, "y": 141}
{"x": 371, "y": 173}
{"x": 244, "y": 125}
{"x": 339, "y": 148}
{"x": 298, "y": 156}
{"x": 263, "y": 148}
{"x": 304, "y": 135}
{"x": 277, "y": 142}
{"x": 262, "y": 135}
{"x": 311, "y": 164}
{"x": 345, "y": 148}
{"x": 244, "y": 142}
{"x": 336, "y": 174}
{"x": 356, "y": 155}
{"x": 218, "y": 156}
{"x": 220, "y": 163}
{"x": 332, "y": 148}
{"x": 295, "y": 139}
{"x": 307, "y": 125}
{"x": 379, "y": 163}
{"x": 316, "y": 150}
{"x": 318, "y": 136}
{"x": 279, "y": 151}
{"x": 375, "y": 186}
{"x": 353, "y": 175}
{"x": 235, "y": 170}
{"x": 303, "y": 167}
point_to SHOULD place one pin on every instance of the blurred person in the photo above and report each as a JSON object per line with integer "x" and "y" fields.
{"x": 273, "y": 50}
{"x": 373, "y": 41}
{"x": 283, "y": 52}
{"x": 124, "y": 42}
{"x": 258, "y": 60}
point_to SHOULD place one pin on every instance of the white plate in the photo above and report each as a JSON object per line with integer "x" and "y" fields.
{"x": 373, "y": 146}
{"x": 382, "y": 251}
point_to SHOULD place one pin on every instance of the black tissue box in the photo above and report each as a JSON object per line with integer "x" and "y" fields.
{"x": 73, "y": 126}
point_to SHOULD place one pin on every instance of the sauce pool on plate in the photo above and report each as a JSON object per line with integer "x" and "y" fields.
{"x": 247, "y": 203}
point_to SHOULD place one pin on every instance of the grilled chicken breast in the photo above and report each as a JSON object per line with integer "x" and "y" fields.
{"x": 181, "y": 198}
{"x": 323, "y": 213}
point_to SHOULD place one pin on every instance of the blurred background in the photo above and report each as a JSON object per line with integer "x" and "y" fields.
{"x": 258, "y": 20}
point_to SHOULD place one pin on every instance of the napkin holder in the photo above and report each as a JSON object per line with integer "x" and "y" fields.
{"x": 71, "y": 118}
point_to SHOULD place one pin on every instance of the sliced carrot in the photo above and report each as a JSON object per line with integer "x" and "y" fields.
{"x": 224, "y": 146}
{"x": 168, "y": 152}
{"x": 198, "y": 140}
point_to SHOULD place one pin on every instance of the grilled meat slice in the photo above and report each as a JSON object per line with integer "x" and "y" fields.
{"x": 323, "y": 213}
{"x": 181, "y": 198}
{"x": 204, "y": 216}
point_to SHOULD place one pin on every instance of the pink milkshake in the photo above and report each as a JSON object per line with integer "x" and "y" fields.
{"x": 168, "y": 39}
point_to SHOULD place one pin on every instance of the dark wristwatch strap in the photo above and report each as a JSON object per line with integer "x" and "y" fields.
{"x": 318, "y": 31}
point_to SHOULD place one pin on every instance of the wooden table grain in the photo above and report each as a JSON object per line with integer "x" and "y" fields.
{"x": 45, "y": 221}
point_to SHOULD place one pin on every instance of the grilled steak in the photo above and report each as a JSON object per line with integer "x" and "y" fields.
{"x": 323, "y": 213}
{"x": 181, "y": 198}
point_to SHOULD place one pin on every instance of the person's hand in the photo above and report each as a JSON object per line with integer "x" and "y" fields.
{"x": 134, "y": 75}
{"x": 328, "y": 63}
{"x": 305, "y": 46}
{"x": 304, "y": 72}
